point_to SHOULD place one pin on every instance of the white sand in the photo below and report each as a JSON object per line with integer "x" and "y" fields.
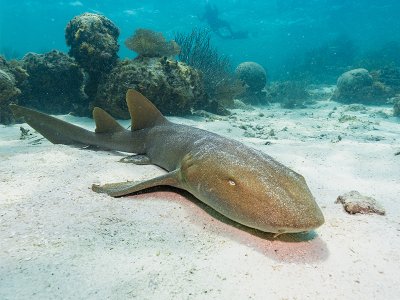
{"x": 61, "y": 240}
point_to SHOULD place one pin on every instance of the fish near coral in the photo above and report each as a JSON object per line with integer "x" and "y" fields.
{"x": 243, "y": 184}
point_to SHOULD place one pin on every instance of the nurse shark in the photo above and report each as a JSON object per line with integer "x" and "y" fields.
{"x": 241, "y": 183}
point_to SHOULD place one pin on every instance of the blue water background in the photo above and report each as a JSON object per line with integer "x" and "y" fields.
{"x": 278, "y": 29}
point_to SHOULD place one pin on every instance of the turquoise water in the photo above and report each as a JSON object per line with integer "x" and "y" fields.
{"x": 61, "y": 240}
{"x": 280, "y": 32}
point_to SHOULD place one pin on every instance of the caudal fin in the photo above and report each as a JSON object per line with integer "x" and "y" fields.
{"x": 143, "y": 113}
{"x": 53, "y": 129}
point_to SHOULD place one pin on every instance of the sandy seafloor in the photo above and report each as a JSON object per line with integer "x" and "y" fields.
{"x": 60, "y": 240}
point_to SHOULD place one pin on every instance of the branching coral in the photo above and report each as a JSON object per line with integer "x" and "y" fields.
{"x": 149, "y": 43}
{"x": 197, "y": 51}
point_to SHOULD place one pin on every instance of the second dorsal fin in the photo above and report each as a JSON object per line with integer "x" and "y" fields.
{"x": 104, "y": 122}
{"x": 143, "y": 113}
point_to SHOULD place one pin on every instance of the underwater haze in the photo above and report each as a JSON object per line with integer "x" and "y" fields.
{"x": 280, "y": 32}
{"x": 263, "y": 140}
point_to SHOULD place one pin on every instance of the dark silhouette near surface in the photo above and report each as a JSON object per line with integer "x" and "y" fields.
{"x": 220, "y": 27}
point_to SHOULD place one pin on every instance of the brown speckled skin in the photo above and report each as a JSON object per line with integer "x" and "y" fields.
{"x": 241, "y": 183}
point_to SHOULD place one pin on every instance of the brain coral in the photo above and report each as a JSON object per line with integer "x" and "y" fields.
{"x": 255, "y": 78}
{"x": 253, "y": 74}
{"x": 358, "y": 86}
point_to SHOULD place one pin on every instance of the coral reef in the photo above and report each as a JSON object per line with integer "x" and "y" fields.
{"x": 358, "y": 86}
{"x": 9, "y": 53}
{"x": 55, "y": 83}
{"x": 8, "y": 88}
{"x": 11, "y": 77}
{"x": 389, "y": 76}
{"x": 220, "y": 84}
{"x": 290, "y": 94}
{"x": 93, "y": 41}
{"x": 151, "y": 44}
{"x": 174, "y": 87}
{"x": 255, "y": 78}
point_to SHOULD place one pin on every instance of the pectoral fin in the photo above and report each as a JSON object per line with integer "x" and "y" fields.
{"x": 129, "y": 187}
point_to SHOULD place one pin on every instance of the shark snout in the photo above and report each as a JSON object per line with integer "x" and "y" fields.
{"x": 308, "y": 223}
{"x": 296, "y": 206}
{"x": 302, "y": 220}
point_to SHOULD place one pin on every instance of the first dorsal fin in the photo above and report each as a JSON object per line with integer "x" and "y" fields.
{"x": 104, "y": 122}
{"x": 143, "y": 113}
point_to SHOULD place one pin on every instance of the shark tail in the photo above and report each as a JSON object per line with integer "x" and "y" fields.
{"x": 55, "y": 130}
{"x": 109, "y": 133}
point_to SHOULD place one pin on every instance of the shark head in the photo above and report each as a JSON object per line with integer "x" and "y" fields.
{"x": 251, "y": 188}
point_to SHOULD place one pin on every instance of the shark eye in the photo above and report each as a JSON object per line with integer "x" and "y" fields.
{"x": 231, "y": 182}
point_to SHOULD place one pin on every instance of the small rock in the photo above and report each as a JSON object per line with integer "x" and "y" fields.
{"x": 355, "y": 107}
{"x": 353, "y": 203}
{"x": 24, "y": 133}
{"x": 346, "y": 118}
{"x": 238, "y": 104}
{"x": 374, "y": 138}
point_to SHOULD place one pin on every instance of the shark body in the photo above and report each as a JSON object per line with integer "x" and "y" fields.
{"x": 239, "y": 182}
